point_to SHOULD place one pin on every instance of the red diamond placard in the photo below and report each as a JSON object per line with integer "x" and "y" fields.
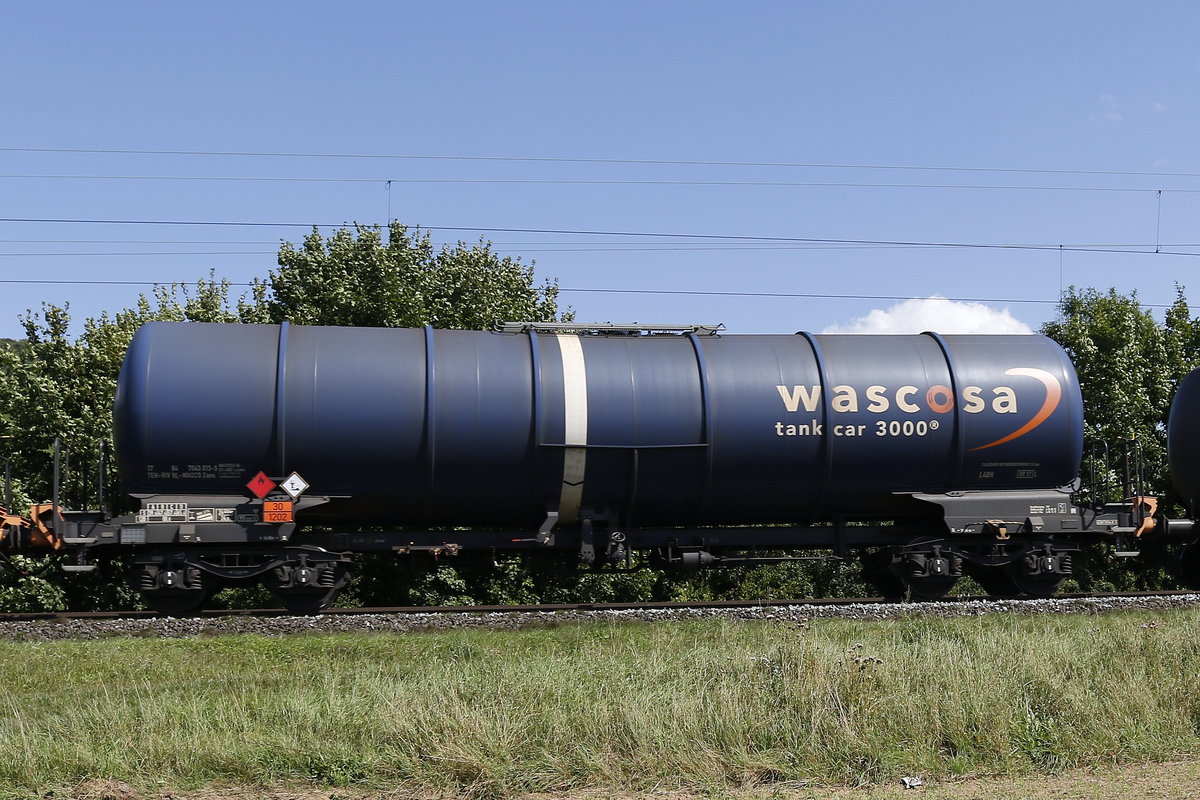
{"x": 260, "y": 485}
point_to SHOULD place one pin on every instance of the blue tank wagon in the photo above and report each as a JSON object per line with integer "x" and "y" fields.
{"x": 273, "y": 453}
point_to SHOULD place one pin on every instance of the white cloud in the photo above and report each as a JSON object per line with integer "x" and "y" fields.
{"x": 934, "y": 314}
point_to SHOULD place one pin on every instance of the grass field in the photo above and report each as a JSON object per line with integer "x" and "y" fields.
{"x": 706, "y": 707}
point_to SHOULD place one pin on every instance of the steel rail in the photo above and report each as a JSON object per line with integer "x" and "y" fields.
{"x": 554, "y": 607}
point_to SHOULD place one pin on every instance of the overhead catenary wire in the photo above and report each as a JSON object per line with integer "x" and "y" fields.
{"x": 646, "y": 234}
{"x": 502, "y": 249}
{"x": 144, "y": 253}
{"x": 594, "y": 160}
{"x": 605, "y": 290}
{"x": 387, "y": 182}
{"x": 137, "y": 241}
{"x": 503, "y": 243}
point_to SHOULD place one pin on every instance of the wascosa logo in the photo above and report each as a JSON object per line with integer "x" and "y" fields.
{"x": 939, "y": 399}
{"x": 1053, "y": 397}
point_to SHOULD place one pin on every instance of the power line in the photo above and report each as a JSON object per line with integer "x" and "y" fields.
{"x": 647, "y": 234}
{"x": 519, "y": 243}
{"x": 812, "y": 296}
{"x": 601, "y": 182}
{"x": 147, "y": 253}
{"x": 570, "y": 160}
{"x": 500, "y": 249}
{"x": 65, "y": 282}
{"x": 598, "y": 290}
{"x": 182, "y": 223}
{"x": 136, "y": 241}
{"x": 687, "y": 292}
{"x": 519, "y": 247}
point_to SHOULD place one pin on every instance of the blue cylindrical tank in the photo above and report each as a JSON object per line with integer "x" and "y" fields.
{"x": 1183, "y": 441}
{"x": 469, "y": 428}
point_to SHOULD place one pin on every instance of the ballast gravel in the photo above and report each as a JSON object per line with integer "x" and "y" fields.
{"x": 167, "y": 628}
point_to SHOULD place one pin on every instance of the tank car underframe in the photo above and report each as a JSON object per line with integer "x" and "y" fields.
{"x": 307, "y": 572}
{"x": 1012, "y": 543}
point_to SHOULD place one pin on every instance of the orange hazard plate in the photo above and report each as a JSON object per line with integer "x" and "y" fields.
{"x": 277, "y": 511}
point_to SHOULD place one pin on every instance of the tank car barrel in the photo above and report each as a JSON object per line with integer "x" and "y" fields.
{"x": 669, "y": 427}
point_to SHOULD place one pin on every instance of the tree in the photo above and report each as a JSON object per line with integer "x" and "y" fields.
{"x": 59, "y": 387}
{"x": 1128, "y": 365}
{"x": 355, "y": 278}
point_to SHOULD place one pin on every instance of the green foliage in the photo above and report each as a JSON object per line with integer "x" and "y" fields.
{"x": 38, "y": 588}
{"x": 106, "y": 589}
{"x": 1129, "y": 366}
{"x": 252, "y": 596}
{"x": 475, "y": 578}
{"x": 57, "y": 386}
{"x": 355, "y": 278}
{"x": 17, "y": 345}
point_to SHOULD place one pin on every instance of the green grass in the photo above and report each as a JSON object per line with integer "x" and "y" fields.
{"x": 705, "y": 706}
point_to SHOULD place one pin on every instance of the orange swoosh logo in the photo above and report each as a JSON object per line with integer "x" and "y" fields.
{"x": 1053, "y": 396}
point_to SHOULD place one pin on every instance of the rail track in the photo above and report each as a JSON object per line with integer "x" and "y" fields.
{"x": 543, "y": 608}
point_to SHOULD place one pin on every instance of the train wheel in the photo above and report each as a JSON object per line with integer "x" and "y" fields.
{"x": 996, "y": 581}
{"x": 1037, "y": 586}
{"x": 1189, "y": 565}
{"x": 1042, "y": 571}
{"x": 930, "y": 589}
{"x": 877, "y": 571}
{"x": 1010, "y": 581}
{"x": 176, "y": 590}
{"x": 176, "y": 603}
{"x": 309, "y": 589}
{"x": 306, "y": 603}
{"x": 928, "y": 568}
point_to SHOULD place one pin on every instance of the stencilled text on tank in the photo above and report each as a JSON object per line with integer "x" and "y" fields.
{"x": 194, "y": 472}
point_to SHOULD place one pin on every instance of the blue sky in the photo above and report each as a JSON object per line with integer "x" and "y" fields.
{"x": 887, "y": 128}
